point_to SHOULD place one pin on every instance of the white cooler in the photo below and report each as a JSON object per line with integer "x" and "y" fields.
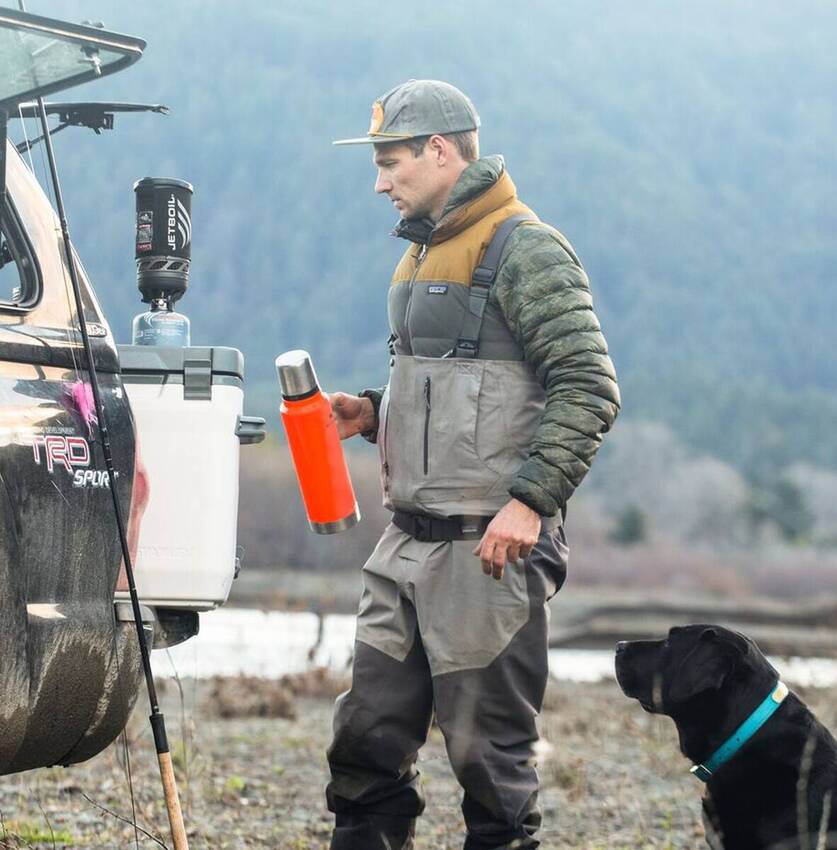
{"x": 187, "y": 404}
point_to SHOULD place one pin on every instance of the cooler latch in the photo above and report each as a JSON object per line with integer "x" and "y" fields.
{"x": 197, "y": 378}
{"x": 249, "y": 429}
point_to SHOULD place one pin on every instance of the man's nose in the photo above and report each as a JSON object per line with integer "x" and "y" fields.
{"x": 382, "y": 185}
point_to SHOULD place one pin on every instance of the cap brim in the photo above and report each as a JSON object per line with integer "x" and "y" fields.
{"x": 372, "y": 140}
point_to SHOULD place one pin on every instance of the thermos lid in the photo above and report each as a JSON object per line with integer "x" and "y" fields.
{"x": 296, "y": 373}
{"x": 163, "y": 183}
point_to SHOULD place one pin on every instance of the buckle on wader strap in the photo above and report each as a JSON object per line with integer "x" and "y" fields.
{"x": 431, "y": 529}
{"x": 467, "y": 345}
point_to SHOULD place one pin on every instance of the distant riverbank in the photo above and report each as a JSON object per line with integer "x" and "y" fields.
{"x": 271, "y": 644}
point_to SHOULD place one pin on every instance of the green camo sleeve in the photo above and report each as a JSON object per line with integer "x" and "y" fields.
{"x": 544, "y": 295}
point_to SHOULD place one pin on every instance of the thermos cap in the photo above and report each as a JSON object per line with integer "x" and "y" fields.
{"x": 163, "y": 183}
{"x": 296, "y": 373}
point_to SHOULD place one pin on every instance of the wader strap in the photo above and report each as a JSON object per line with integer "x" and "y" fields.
{"x": 481, "y": 280}
{"x": 431, "y": 529}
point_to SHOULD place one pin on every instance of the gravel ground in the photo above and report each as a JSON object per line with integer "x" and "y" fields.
{"x": 612, "y": 777}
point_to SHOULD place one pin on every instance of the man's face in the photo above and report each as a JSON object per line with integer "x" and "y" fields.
{"x": 415, "y": 184}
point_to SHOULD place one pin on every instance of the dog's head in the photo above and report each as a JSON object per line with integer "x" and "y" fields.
{"x": 701, "y": 676}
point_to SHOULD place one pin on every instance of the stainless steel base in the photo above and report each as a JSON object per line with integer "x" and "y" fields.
{"x": 338, "y": 525}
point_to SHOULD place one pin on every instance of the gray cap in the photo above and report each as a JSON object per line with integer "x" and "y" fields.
{"x": 418, "y": 108}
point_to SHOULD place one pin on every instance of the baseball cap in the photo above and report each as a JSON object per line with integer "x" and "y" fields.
{"x": 418, "y": 108}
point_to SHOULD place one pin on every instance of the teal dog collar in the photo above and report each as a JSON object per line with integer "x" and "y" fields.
{"x": 743, "y": 734}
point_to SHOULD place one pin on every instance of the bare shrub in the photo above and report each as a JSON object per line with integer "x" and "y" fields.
{"x": 696, "y": 499}
{"x": 250, "y": 696}
{"x": 319, "y": 682}
{"x": 663, "y": 564}
{"x": 820, "y": 488}
{"x": 253, "y": 696}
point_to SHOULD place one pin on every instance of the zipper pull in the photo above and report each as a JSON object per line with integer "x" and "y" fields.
{"x": 427, "y": 392}
{"x": 422, "y": 252}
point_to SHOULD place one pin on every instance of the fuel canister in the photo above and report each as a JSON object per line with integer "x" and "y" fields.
{"x": 315, "y": 446}
{"x": 161, "y": 326}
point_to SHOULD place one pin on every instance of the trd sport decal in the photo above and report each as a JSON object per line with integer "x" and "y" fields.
{"x": 71, "y": 453}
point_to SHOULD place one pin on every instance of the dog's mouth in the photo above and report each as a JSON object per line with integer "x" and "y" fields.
{"x": 646, "y": 700}
{"x": 637, "y": 678}
{"x": 653, "y": 702}
{"x": 649, "y": 697}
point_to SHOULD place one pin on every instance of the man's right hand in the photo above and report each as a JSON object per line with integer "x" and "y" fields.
{"x": 354, "y": 414}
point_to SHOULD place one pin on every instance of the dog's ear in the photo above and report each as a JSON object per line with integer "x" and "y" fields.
{"x": 704, "y": 668}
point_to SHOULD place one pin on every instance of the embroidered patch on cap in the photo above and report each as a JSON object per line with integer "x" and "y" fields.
{"x": 437, "y": 289}
{"x": 377, "y": 118}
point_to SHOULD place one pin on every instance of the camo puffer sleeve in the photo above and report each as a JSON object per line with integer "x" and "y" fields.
{"x": 545, "y": 297}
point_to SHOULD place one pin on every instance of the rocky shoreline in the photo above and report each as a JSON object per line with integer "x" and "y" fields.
{"x": 249, "y": 757}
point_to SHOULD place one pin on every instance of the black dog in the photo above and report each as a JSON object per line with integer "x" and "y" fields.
{"x": 777, "y": 787}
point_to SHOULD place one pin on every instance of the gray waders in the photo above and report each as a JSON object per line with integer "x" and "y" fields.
{"x": 434, "y": 633}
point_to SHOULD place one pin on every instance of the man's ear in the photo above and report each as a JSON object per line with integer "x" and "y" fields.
{"x": 438, "y": 149}
{"x": 703, "y": 669}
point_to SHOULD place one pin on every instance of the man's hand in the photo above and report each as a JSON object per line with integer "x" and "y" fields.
{"x": 354, "y": 414}
{"x": 512, "y": 534}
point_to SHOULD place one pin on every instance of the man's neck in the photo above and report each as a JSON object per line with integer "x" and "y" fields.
{"x": 438, "y": 208}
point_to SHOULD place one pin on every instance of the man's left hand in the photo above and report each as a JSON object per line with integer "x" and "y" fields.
{"x": 512, "y": 534}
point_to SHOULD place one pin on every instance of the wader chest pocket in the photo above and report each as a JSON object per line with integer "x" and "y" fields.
{"x": 475, "y": 418}
{"x": 454, "y": 431}
{"x": 446, "y": 397}
{"x": 427, "y": 432}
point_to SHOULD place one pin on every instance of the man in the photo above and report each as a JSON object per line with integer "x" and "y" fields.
{"x": 500, "y": 389}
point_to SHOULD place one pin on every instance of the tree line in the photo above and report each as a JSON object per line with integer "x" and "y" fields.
{"x": 685, "y": 153}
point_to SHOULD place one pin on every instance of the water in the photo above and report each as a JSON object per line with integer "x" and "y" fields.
{"x": 235, "y": 641}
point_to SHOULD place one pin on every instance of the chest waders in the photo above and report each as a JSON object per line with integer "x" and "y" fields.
{"x": 433, "y": 632}
{"x": 455, "y": 429}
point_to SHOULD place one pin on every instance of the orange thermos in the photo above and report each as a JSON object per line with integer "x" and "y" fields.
{"x": 315, "y": 446}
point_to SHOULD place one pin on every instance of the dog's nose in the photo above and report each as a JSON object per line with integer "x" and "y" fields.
{"x": 621, "y": 647}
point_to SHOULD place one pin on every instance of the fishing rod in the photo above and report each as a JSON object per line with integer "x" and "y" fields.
{"x": 157, "y": 720}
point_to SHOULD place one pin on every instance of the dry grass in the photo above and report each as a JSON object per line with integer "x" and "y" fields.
{"x": 612, "y": 778}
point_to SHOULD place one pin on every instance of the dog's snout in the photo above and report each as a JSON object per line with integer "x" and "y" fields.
{"x": 621, "y": 647}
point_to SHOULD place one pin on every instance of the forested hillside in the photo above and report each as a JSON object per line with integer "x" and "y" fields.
{"x": 688, "y": 152}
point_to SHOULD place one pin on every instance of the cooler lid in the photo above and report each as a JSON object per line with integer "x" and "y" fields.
{"x": 165, "y": 360}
